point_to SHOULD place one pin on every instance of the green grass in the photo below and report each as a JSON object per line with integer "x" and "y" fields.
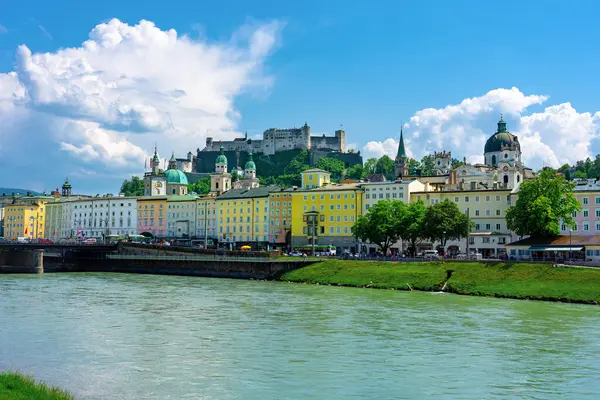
{"x": 14, "y": 386}
{"x": 495, "y": 279}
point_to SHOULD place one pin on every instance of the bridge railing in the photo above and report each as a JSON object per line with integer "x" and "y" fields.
{"x": 193, "y": 258}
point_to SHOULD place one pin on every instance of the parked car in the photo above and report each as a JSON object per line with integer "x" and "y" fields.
{"x": 89, "y": 241}
{"x": 46, "y": 241}
{"x": 295, "y": 254}
{"x": 461, "y": 256}
{"x": 431, "y": 255}
{"x": 475, "y": 256}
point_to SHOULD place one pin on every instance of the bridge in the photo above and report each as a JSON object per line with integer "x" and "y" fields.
{"x": 58, "y": 246}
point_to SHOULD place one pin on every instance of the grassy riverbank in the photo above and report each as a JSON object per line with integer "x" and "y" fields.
{"x": 495, "y": 279}
{"x": 15, "y": 386}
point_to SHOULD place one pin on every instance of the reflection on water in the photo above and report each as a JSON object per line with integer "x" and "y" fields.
{"x": 117, "y": 336}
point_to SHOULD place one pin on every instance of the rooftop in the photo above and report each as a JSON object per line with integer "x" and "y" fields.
{"x": 334, "y": 187}
{"x": 187, "y": 197}
{"x": 248, "y": 193}
{"x": 316, "y": 170}
{"x": 562, "y": 241}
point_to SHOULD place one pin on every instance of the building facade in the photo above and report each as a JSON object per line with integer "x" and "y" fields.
{"x": 96, "y": 217}
{"x": 280, "y": 220}
{"x": 181, "y": 216}
{"x": 151, "y": 216}
{"x": 206, "y": 219}
{"x": 25, "y": 217}
{"x": 324, "y": 215}
{"x": 587, "y": 221}
{"x": 170, "y": 182}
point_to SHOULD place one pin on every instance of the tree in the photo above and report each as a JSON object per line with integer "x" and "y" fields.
{"x": 380, "y": 225}
{"x": 333, "y": 165}
{"x": 385, "y": 166}
{"x": 356, "y": 171}
{"x": 235, "y": 176}
{"x": 444, "y": 221}
{"x": 411, "y": 224}
{"x": 298, "y": 163}
{"x": 427, "y": 165}
{"x": 201, "y": 186}
{"x": 369, "y": 167}
{"x": 542, "y": 204}
{"x": 566, "y": 170}
{"x": 134, "y": 187}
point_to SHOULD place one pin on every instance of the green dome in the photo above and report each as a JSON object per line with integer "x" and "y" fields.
{"x": 502, "y": 138}
{"x": 155, "y": 158}
{"x": 175, "y": 176}
{"x": 250, "y": 163}
{"x": 221, "y": 159}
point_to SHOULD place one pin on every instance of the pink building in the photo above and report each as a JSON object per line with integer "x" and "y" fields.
{"x": 587, "y": 193}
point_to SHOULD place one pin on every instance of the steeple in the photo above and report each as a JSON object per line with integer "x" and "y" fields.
{"x": 172, "y": 161}
{"x": 401, "y": 155}
{"x": 66, "y": 188}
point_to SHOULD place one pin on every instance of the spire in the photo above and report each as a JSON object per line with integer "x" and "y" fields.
{"x": 172, "y": 156}
{"x": 246, "y": 134}
{"x": 401, "y": 152}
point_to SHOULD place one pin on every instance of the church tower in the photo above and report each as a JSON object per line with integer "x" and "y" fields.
{"x": 155, "y": 163}
{"x": 220, "y": 181}
{"x": 401, "y": 161}
{"x": 172, "y": 161}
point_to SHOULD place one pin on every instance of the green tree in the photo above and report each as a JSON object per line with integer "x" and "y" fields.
{"x": 133, "y": 187}
{"x": 380, "y": 225}
{"x": 201, "y": 186}
{"x": 566, "y": 170}
{"x": 235, "y": 176}
{"x": 298, "y": 163}
{"x": 333, "y": 165}
{"x": 411, "y": 224}
{"x": 427, "y": 165}
{"x": 542, "y": 204}
{"x": 444, "y": 221}
{"x": 369, "y": 167}
{"x": 356, "y": 171}
{"x": 385, "y": 166}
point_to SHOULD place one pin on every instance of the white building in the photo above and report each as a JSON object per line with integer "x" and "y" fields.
{"x": 181, "y": 216}
{"x": 99, "y": 217}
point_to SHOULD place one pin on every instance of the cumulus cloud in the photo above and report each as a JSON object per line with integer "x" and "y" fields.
{"x": 105, "y": 103}
{"x": 557, "y": 135}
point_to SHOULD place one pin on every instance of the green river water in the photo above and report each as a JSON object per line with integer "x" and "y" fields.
{"x": 118, "y": 336}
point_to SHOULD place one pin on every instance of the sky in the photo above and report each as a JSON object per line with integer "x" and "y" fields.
{"x": 86, "y": 91}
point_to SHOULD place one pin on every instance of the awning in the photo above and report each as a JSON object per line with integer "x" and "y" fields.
{"x": 561, "y": 248}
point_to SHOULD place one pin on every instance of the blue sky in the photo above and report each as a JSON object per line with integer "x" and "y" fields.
{"x": 366, "y": 65}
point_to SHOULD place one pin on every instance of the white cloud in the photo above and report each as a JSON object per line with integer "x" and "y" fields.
{"x": 3, "y": 29}
{"x": 106, "y": 102}
{"x": 557, "y": 135}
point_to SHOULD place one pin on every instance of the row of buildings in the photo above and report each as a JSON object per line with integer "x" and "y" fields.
{"x": 319, "y": 211}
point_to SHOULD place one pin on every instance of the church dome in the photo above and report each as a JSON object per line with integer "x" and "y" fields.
{"x": 250, "y": 163}
{"x": 502, "y": 138}
{"x": 175, "y": 176}
{"x": 221, "y": 159}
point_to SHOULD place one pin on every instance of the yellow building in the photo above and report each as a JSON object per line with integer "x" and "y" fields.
{"x": 25, "y": 218}
{"x": 243, "y": 216}
{"x": 487, "y": 212}
{"x": 152, "y": 215}
{"x": 206, "y": 218}
{"x": 326, "y": 212}
{"x": 280, "y": 221}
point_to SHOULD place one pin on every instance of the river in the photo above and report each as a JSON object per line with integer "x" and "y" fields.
{"x": 119, "y": 336}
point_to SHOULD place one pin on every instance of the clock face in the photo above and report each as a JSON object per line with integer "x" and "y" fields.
{"x": 158, "y": 184}
{"x": 148, "y": 185}
{"x": 505, "y": 168}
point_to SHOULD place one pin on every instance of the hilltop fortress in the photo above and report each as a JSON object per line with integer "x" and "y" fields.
{"x": 273, "y": 152}
{"x": 275, "y": 140}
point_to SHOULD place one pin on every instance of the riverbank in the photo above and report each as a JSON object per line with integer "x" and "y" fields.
{"x": 15, "y": 386}
{"x": 492, "y": 279}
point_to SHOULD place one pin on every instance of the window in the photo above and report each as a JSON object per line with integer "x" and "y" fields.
{"x": 487, "y": 198}
{"x": 488, "y": 226}
{"x": 497, "y": 213}
{"x": 497, "y": 227}
{"x": 575, "y": 227}
{"x": 466, "y": 199}
{"x": 456, "y": 199}
{"x": 485, "y": 240}
{"x": 597, "y": 200}
{"x": 574, "y": 214}
{"x": 476, "y": 227}
{"x": 497, "y": 198}
{"x": 488, "y": 213}
{"x": 597, "y": 227}
{"x": 598, "y": 213}
{"x": 586, "y": 213}
{"x": 477, "y": 213}
{"x": 584, "y": 200}
{"x": 477, "y": 199}
{"x": 586, "y": 226}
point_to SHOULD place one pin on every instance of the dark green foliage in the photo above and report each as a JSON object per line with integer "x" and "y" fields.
{"x": 234, "y": 176}
{"x": 133, "y": 187}
{"x": 356, "y": 172}
{"x": 444, "y": 221}
{"x": 201, "y": 186}
{"x": 369, "y": 167}
{"x": 542, "y": 204}
{"x": 412, "y": 223}
{"x": 385, "y": 166}
{"x": 15, "y": 386}
{"x": 333, "y": 165}
{"x": 427, "y": 165}
{"x": 380, "y": 225}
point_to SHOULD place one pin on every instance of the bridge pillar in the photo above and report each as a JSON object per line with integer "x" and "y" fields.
{"x": 38, "y": 261}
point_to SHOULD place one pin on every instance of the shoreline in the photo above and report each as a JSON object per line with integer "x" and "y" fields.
{"x": 519, "y": 281}
{"x": 17, "y": 386}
